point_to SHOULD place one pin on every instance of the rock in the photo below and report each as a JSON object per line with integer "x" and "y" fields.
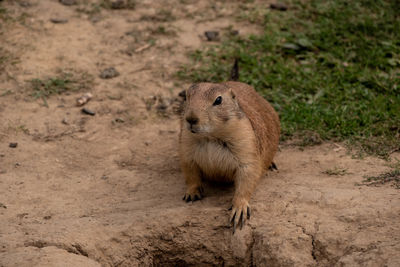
{"x": 211, "y": 35}
{"x": 109, "y": 73}
{"x": 279, "y": 6}
{"x": 88, "y": 112}
{"x": 68, "y": 2}
{"x": 84, "y": 99}
{"x": 121, "y": 4}
{"x": 13, "y": 145}
{"x": 65, "y": 121}
{"x": 182, "y": 94}
{"x": 3, "y": 206}
{"x": 118, "y": 4}
{"x": 58, "y": 20}
{"x": 24, "y": 4}
{"x": 234, "y": 32}
{"x": 291, "y": 46}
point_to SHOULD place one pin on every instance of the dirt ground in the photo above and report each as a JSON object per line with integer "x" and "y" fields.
{"x": 106, "y": 190}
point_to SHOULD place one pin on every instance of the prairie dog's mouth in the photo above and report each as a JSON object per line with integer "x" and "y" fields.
{"x": 197, "y": 129}
{"x": 191, "y": 128}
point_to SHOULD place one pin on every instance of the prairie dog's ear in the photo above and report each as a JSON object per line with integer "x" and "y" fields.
{"x": 183, "y": 94}
{"x": 190, "y": 90}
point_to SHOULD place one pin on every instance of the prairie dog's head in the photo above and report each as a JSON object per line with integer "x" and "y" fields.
{"x": 209, "y": 106}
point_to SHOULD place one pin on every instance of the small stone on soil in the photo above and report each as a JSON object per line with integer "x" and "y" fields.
{"x": 48, "y": 217}
{"x": 104, "y": 177}
{"x": 84, "y": 99}
{"x": 234, "y": 32}
{"x": 118, "y": 4}
{"x": 58, "y": 20}
{"x": 88, "y": 112}
{"x": 68, "y": 2}
{"x": 65, "y": 121}
{"x": 278, "y": 6}
{"x": 13, "y": 145}
{"x": 3, "y": 206}
{"x": 211, "y": 35}
{"x": 109, "y": 73}
{"x": 182, "y": 94}
{"x": 25, "y": 4}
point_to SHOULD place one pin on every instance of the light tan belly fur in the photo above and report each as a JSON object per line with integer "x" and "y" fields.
{"x": 215, "y": 161}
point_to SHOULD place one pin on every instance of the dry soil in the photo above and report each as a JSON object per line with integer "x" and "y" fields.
{"x": 106, "y": 190}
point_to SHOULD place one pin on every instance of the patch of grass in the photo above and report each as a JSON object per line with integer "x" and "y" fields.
{"x": 161, "y": 30}
{"x": 65, "y": 82}
{"x": 94, "y": 8}
{"x": 4, "y": 13}
{"x": 6, "y": 92}
{"x": 162, "y": 15}
{"x": 336, "y": 171}
{"x": 4, "y": 57}
{"x": 392, "y": 177}
{"x": 108, "y": 4}
{"x": 330, "y": 67}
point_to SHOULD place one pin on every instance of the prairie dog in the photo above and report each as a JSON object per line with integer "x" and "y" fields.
{"x": 228, "y": 133}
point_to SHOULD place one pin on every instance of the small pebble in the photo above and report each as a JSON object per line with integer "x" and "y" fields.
{"x": 48, "y": 217}
{"x": 65, "y": 121}
{"x": 68, "y": 2}
{"x": 104, "y": 177}
{"x": 120, "y": 120}
{"x": 182, "y": 94}
{"x": 211, "y": 35}
{"x": 88, "y": 112}
{"x": 278, "y": 6}
{"x": 118, "y": 4}
{"x": 3, "y": 206}
{"x": 84, "y": 99}
{"x": 25, "y": 4}
{"x": 13, "y": 145}
{"x": 58, "y": 20}
{"x": 109, "y": 73}
{"x": 234, "y": 32}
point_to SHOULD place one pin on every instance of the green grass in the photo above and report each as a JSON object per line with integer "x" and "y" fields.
{"x": 336, "y": 171}
{"x": 392, "y": 177}
{"x": 65, "y": 82}
{"x": 329, "y": 67}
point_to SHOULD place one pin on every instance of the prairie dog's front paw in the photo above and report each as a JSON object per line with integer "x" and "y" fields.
{"x": 240, "y": 211}
{"x": 193, "y": 194}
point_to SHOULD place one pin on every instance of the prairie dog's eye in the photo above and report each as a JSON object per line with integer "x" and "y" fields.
{"x": 218, "y": 101}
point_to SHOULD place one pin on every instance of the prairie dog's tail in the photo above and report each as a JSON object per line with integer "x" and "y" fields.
{"x": 235, "y": 71}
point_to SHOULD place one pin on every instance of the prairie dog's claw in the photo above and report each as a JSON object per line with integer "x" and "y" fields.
{"x": 193, "y": 195}
{"x": 239, "y": 215}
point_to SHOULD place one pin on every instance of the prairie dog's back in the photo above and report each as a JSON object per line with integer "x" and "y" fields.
{"x": 262, "y": 116}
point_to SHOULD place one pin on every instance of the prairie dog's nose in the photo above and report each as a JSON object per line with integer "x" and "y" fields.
{"x": 192, "y": 120}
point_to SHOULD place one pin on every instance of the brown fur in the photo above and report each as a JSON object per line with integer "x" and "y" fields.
{"x": 234, "y": 141}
